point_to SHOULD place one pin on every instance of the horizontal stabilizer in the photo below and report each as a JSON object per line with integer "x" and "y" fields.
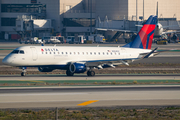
{"x": 147, "y": 56}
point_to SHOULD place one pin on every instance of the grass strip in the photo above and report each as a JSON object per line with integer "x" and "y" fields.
{"x": 6, "y": 49}
{"x": 118, "y": 113}
{"x": 84, "y": 82}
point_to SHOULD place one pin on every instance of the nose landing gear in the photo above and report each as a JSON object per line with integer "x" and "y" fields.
{"x": 23, "y": 71}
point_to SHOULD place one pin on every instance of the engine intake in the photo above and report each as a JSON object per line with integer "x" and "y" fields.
{"x": 77, "y": 68}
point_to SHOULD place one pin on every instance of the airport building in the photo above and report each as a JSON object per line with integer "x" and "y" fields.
{"x": 49, "y": 17}
{"x": 133, "y": 9}
{"x": 44, "y": 17}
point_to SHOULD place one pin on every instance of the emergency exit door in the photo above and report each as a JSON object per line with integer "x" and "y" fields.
{"x": 34, "y": 54}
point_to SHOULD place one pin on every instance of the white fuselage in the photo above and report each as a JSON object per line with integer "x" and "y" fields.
{"x": 158, "y": 30}
{"x": 54, "y": 55}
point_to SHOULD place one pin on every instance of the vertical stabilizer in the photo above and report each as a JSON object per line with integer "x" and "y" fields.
{"x": 145, "y": 36}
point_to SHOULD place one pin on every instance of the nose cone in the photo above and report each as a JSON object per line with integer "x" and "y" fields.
{"x": 7, "y": 60}
{"x": 4, "y": 61}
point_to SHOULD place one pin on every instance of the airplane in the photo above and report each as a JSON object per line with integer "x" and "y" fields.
{"x": 159, "y": 32}
{"x": 81, "y": 59}
{"x": 160, "y": 29}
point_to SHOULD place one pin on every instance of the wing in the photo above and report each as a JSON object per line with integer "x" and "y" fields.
{"x": 100, "y": 64}
{"x": 125, "y": 31}
{"x": 170, "y": 32}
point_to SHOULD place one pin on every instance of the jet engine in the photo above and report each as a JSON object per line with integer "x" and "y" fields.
{"x": 45, "y": 69}
{"x": 77, "y": 68}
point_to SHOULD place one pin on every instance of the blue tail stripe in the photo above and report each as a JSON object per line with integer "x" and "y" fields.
{"x": 148, "y": 37}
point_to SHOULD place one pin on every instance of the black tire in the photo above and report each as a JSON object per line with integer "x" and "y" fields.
{"x": 23, "y": 74}
{"x": 69, "y": 73}
{"x": 90, "y": 73}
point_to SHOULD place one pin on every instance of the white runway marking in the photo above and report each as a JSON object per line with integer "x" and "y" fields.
{"x": 40, "y": 94}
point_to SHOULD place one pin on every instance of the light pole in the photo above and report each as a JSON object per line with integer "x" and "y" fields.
{"x": 90, "y": 17}
{"x": 143, "y": 10}
{"x": 136, "y": 9}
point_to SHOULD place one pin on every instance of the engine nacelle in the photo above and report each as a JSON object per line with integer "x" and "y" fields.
{"x": 77, "y": 68}
{"x": 45, "y": 69}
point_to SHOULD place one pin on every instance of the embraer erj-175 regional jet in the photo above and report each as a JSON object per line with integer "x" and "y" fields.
{"x": 81, "y": 59}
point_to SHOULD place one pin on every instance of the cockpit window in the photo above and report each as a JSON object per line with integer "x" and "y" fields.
{"x": 17, "y": 52}
{"x": 21, "y": 52}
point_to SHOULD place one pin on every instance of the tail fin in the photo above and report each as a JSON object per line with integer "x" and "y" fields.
{"x": 145, "y": 36}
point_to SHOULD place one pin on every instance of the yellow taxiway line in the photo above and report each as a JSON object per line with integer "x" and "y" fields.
{"x": 87, "y": 102}
{"x": 31, "y": 81}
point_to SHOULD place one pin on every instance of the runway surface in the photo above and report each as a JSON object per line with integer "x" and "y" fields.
{"x": 89, "y": 96}
{"x": 85, "y": 77}
{"x": 68, "y": 97}
{"x": 92, "y": 96}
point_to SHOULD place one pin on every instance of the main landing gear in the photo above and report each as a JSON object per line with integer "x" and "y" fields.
{"x": 23, "y": 71}
{"x": 90, "y": 73}
{"x": 69, "y": 73}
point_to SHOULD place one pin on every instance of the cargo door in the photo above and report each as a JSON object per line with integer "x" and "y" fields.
{"x": 34, "y": 54}
{"x": 123, "y": 53}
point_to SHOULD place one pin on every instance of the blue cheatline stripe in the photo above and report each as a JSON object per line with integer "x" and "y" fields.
{"x": 148, "y": 38}
{"x": 64, "y": 66}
